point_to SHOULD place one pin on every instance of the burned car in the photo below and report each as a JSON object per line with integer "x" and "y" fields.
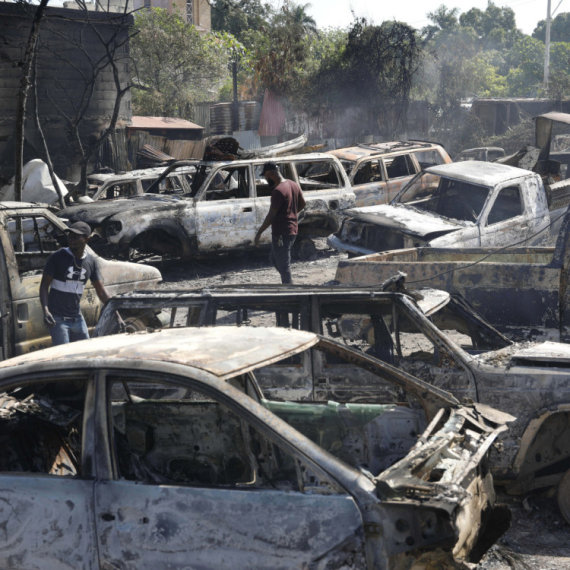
{"x": 462, "y": 204}
{"x": 137, "y": 182}
{"x": 451, "y": 348}
{"x": 378, "y": 171}
{"x": 159, "y": 450}
{"x": 222, "y": 212}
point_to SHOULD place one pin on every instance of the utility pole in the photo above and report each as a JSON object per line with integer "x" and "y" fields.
{"x": 235, "y": 109}
{"x": 547, "y": 47}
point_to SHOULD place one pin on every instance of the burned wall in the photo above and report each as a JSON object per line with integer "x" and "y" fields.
{"x": 360, "y": 123}
{"x": 73, "y": 77}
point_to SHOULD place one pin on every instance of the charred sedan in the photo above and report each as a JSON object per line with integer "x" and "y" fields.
{"x": 159, "y": 450}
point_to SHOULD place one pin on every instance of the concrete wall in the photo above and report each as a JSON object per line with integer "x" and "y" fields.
{"x": 61, "y": 87}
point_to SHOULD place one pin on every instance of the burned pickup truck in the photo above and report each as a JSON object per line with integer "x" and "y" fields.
{"x": 115, "y": 475}
{"x": 226, "y": 205}
{"x": 29, "y": 234}
{"x": 451, "y": 348}
{"x": 522, "y": 291}
{"x": 465, "y": 204}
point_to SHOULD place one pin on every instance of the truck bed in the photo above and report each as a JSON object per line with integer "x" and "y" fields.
{"x": 517, "y": 290}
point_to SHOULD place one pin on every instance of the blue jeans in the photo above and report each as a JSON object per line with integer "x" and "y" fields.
{"x": 68, "y": 329}
{"x": 280, "y": 256}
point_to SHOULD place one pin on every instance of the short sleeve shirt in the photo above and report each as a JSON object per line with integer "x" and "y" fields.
{"x": 69, "y": 278}
{"x": 285, "y": 199}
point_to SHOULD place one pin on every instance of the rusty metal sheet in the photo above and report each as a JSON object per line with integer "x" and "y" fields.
{"x": 139, "y": 122}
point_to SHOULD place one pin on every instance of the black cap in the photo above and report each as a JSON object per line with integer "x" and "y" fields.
{"x": 269, "y": 166}
{"x": 79, "y": 228}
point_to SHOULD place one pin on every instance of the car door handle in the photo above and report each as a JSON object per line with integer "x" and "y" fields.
{"x": 108, "y": 517}
{"x": 247, "y": 209}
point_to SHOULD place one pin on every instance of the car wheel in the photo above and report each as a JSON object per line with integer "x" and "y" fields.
{"x": 563, "y": 496}
{"x": 134, "y": 324}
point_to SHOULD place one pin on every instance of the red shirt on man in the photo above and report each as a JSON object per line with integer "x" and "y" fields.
{"x": 285, "y": 199}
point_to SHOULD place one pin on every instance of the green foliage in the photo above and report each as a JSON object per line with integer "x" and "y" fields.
{"x": 174, "y": 65}
{"x": 237, "y": 17}
{"x": 495, "y": 27}
{"x": 559, "y": 29}
{"x": 279, "y": 51}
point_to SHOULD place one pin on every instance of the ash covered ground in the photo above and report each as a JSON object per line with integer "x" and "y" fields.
{"x": 539, "y": 538}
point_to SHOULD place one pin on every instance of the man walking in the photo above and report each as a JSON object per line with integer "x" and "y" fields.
{"x": 286, "y": 203}
{"x": 65, "y": 275}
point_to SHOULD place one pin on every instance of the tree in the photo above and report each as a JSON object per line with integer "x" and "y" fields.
{"x": 25, "y": 83}
{"x": 236, "y": 17}
{"x": 92, "y": 48}
{"x": 374, "y": 70}
{"x": 495, "y": 27}
{"x": 279, "y": 50}
{"x": 559, "y": 29}
{"x": 174, "y": 66}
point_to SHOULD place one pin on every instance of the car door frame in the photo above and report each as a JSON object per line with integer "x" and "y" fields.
{"x": 239, "y": 213}
{"x": 107, "y": 462}
{"x": 60, "y": 508}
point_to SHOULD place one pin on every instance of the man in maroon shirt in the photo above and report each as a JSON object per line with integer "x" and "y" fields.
{"x": 286, "y": 203}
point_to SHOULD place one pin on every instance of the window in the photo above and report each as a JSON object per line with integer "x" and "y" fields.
{"x": 41, "y": 428}
{"x": 427, "y": 158}
{"x": 195, "y": 440}
{"x": 147, "y": 3}
{"x": 507, "y": 205}
{"x": 34, "y": 238}
{"x": 190, "y": 11}
{"x": 460, "y": 200}
{"x": 317, "y": 175}
{"x": 399, "y": 166}
{"x": 370, "y": 171}
{"x": 229, "y": 183}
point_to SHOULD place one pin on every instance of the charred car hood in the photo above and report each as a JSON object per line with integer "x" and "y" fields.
{"x": 406, "y": 220}
{"x": 96, "y": 212}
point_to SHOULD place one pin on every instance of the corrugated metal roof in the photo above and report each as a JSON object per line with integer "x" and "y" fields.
{"x": 139, "y": 122}
{"x": 272, "y": 121}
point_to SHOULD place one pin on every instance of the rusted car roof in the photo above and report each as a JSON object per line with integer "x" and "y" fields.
{"x": 221, "y": 351}
{"x": 477, "y": 172}
{"x": 362, "y": 150}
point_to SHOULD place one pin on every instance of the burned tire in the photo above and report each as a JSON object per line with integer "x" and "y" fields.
{"x": 563, "y": 496}
{"x": 133, "y": 324}
{"x": 304, "y": 249}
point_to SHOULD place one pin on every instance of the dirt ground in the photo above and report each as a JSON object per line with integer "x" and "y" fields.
{"x": 539, "y": 538}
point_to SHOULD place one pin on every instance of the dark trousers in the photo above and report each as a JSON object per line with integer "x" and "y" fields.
{"x": 280, "y": 256}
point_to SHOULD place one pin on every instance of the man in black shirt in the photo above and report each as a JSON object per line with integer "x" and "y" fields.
{"x": 65, "y": 275}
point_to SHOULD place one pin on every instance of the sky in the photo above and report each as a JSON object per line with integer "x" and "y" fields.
{"x": 337, "y": 13}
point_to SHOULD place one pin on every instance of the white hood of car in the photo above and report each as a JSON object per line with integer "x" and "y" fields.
{"x": 407, "y": 220}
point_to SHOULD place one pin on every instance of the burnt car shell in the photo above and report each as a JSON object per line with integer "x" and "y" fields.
{"x": 431, "y": 505}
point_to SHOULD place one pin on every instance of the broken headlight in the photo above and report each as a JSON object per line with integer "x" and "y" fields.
{"x": 351, "y": 232}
